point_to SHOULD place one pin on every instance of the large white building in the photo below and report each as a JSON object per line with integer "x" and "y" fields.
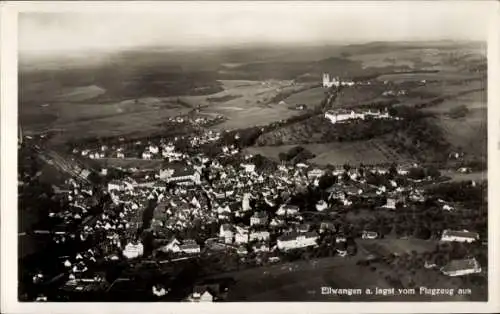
{"x": 338, "y": 116}
{"x": 133, "y": 250}
{"x": 459, "y": 236}
{"x": 343, "y": 115}
{"x": 297, "y": 240}
{"x": 180, "y": 174}
{"x": 259, "y": 236}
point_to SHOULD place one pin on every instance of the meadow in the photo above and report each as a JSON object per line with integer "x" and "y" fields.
{"x": 338, "y": 153}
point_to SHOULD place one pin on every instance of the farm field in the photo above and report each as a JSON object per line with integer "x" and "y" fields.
{"x": 453, "y": 87}
{"x": 366, "y": 152}
{"x": 395, "y": 246}
{"x": 141, "y": 122}
{"x": 468, "y": 133}
{"x": 302, "y": 281}
{"x": 473, "y": 101}
{"x": 431, "y": 57}
{"x": 249, "y": 103}
{"x": 310, "y": 97}
{"x": 80, "y": 93}
{"x": 474, "y": 176}
{"x": 411, "y": 77}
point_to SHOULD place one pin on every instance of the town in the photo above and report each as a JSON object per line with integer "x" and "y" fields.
{"x": 273, "y": 158}
{"x": 193, "y": 205}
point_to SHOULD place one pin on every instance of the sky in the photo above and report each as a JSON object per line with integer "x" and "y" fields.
{"x": 192, "y": 24}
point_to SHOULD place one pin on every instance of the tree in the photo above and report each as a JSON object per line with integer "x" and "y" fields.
{"x": 433, "y": 172}
{"x": 283, "y": 156}
{"x": 416, "y": 173}
{"x": 458, "y": 112}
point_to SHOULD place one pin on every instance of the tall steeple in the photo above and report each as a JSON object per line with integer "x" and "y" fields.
{"x": 326, "y": 80}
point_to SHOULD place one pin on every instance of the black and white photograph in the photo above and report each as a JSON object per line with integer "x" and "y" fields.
{"x": 221, "y": 152}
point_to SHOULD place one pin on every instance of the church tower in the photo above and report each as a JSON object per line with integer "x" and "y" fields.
{"x": 326, "y": 80}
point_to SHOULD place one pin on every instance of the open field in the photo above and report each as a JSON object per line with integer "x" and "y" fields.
{"x": 468, "y": 133}
{"x": 249, "y": 103}
{"x": 473, "y": 101}
{"x": 473, "y": 176}
{"x": 310, "y": 97}
{"x": 80, "y": 93}
{"x": 138, "y": 163}
{"x": 302, "y": 281}
{"x": 338, "y": 153}
{"x": 435, "y": 57}
{"x": 410, "y": 77}
{"x": 140, "y": 89}
{"x": 395, "y": 246}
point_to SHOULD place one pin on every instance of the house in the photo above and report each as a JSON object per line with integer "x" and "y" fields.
{"x": 190, "y": 247}
{"x": 277, "y": 222}
{"x": 315, "y": 173}
{"x": 159, "y": 291}
{"x": 133, "y": 250}
{"x": 369, "y": 235}
{"x": 147, "y": 155}
{"x": 241, "y": 235}
{"x": 448, "y": 207}
{"x": 241, "y": 250}
{"x": 390, "y": 204}
{"x": 403, "y": 171}
{"x": 321, "y": 206}
{"x": 261, "y": 247}
{"x": 248, "y": 167}
{"x": 459, "y": 236}
{"x": 302, "y": 228}
{"x": 287, "y": 210}
{"x": 295, "y": 240}
{"x": 153, "y": 149}
{"x": 259, "y": 236}
{"x": 203, "y": 293}
{"x": 258, "y": 218}
{"x": 172, "y": 246}
{"x": 461, "y": 267}
{"x": 116, "y": 185}
{"x": 326, "y": 226}
{"x": 227, "y": 233}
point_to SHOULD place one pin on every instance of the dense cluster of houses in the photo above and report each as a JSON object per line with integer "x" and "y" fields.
{"x": 193, "y": 190}
{"x": 158, "y": 149}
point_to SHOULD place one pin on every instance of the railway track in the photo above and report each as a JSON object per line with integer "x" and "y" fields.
{"x": 63, "y": 164}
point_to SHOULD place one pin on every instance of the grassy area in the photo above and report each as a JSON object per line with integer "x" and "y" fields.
{"x": 310, "y": 97}
{"x": 338, "y": 153}
{"x": 468, "y": 133}
{"x": 129, "y": 163}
